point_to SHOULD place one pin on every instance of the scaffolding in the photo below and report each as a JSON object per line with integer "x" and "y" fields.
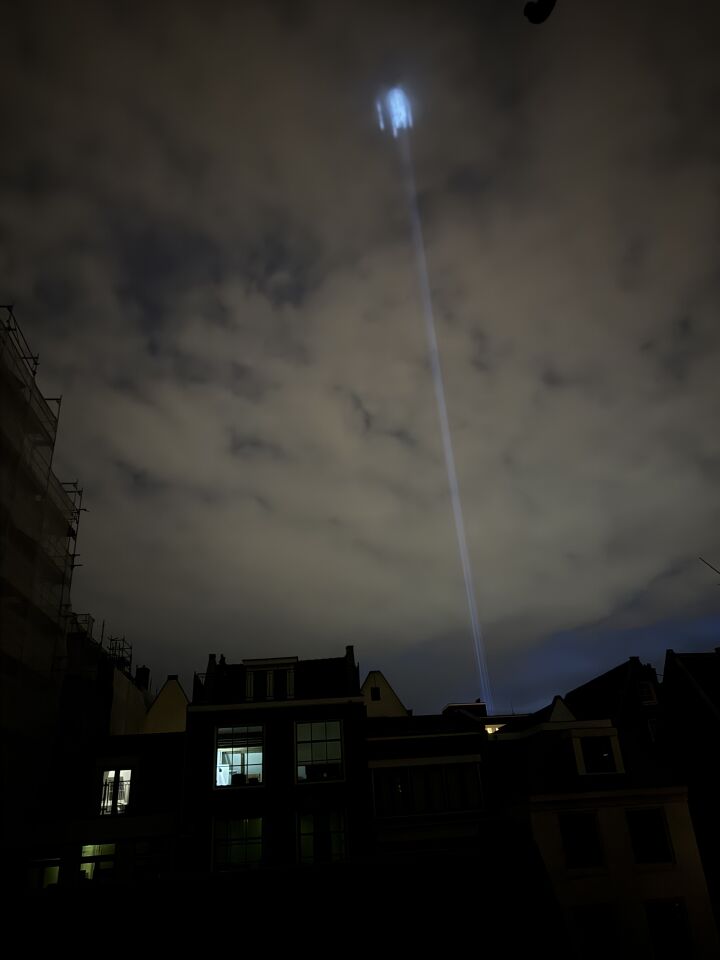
{"x": 39, "y": 514}
{"x": 120, "y": 653}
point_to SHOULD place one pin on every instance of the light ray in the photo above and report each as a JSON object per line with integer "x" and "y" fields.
{"x": 395, "y": 106}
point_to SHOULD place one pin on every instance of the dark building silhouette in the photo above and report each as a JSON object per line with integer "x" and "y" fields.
{"x": 59, "y": 688}
{"x": 690, "y": 730}
{"x": 38, "y": 526}
{"x": 276, "y": 764}
{"x": 615, "y": 836}
{"x": 284, "y": 784}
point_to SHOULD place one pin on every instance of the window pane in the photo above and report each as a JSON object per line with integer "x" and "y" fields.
{"x": 581, "y": 839}
{"x": 598, "y": 755}
{"x": 649, "y": 836}
{"x": 238, "y": 843}
{"x": 669, "y": 931}
{"x": 106, "y": 801}
{"x": 319, "y": 751}
{"x": 123, "y": 797}
{"x": 319, "y": 757}
{"x": 306, "y": 849}
{"x": 239, "y": 756}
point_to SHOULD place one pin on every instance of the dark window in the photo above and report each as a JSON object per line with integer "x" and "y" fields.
{"x": 238, "y": 843}
{"x": 669, "y": 930}
{"x": 374, "y": 693}
{"x": 648, "y": 697}
{"x": 393, "y": 796}
{"x": 594, "y": 930}
{"x": 239, "y": 756}
{"x": 581, "y": 839}
{"x": 321, "y": 837}
{"x": 319, "y": 750}
{"x": 649, "y": 836}
{"x": 280, "y": 684}
{"x": 598, "y": 755}
{"x": 426, "y": 789}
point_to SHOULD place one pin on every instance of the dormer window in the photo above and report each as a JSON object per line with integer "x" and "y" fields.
{"x": 275, "y": 684}
{"x": 597, "y": 755}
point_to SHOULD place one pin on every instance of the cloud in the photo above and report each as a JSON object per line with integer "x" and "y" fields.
{"x": 207, "y": 240}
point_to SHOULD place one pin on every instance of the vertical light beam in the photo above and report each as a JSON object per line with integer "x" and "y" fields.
{"x": 396, "y": 105}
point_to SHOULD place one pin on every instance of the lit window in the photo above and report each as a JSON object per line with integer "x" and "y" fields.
{"x": 491, "y": 728}
{"x": 115, "y": 791}
{"x": 319, "y": 751}
{"x": 43, "y": 873}
{"x": 322, "y": 837}
{"x": 239, "y": 756}
{"x": 97, "y": 860}
{"x": 238, "y": 843}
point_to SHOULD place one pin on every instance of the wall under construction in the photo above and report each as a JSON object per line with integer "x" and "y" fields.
{"x": 38, "y": 529}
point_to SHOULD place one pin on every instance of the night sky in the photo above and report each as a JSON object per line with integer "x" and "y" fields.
{"x": 205, "y": 236}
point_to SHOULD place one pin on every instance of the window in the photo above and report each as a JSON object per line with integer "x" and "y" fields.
{"x": 649, "y": 836}
{"x": 669, "y": 930}
{"x": 276, "y": 684}
{"x": 402, "y": 791}
{"x": 595, "y": 930}
{"x": 322, "y": 837}
{"x": 43, "y": 873}
{"x": 581, "y": 839}
{"x": 97, "y": 861}
{"x": 238, "y": 843}
{"x": 374, "y": 693}
{"x": 319, "y": 751}
{"x": 598, "y": 755}
{"x": 115, "y": 791}
{"x": 646, "y": 690}
{"x": 239, "y": 756}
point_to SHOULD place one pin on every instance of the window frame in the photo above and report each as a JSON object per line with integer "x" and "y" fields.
{"x": 249, "y": 784}
{"x": 591, "y": 815}
{"x": 119, "y": 785}
{"x": 246, "y": 842}
{"x": 651, "y": 864}
{"x": 319, "y": 836}
{"x": 580, "y": 754}
{"x": 311, "y": 763}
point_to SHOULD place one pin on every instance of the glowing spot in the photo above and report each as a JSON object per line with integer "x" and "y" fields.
{"x": 393, "y": 108}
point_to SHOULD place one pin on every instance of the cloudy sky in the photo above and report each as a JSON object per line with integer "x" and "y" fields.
{"x": 206, "y": 238}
